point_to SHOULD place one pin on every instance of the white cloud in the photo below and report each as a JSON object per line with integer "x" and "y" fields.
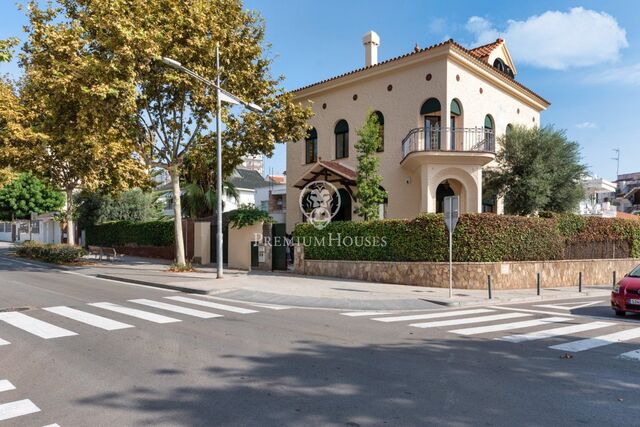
{"x": 557, "y": 40}
{"x": 627, "y": 75}
{"x": 586, "y": 125}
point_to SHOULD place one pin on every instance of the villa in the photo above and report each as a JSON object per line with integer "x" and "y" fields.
{"x": 441, "y": 111}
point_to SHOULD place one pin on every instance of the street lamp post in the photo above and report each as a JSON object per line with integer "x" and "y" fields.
{"x": 221, "y": 95}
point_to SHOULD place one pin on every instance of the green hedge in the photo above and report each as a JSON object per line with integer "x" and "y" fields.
{"x": 477, "y": 238}
{"x": 56, "y": 254}
{"x": 122, "y": 233}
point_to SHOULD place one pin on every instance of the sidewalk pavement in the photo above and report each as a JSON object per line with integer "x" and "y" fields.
{"x": 288, "y": 289}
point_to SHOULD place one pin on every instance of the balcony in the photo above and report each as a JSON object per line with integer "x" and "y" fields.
{"x": 446, "y": 145}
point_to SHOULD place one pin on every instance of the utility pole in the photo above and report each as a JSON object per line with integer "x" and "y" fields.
{"x": 617, "y": 159}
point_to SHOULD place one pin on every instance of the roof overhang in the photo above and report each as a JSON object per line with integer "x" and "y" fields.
{"x": 446, "y": 49}
{"x": 332, "y": 172}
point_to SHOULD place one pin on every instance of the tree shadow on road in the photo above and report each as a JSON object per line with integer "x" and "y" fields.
{"x": 418, "y": 382}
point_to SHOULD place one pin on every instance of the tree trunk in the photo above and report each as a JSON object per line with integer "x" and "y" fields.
{"x": 177, "y": 217}
{"x": 71, "y": 232}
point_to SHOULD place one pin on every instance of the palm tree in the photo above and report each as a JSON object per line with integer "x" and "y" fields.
{"x": 198, "y": 201}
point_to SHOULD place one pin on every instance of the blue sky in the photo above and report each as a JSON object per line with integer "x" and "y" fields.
{"x": 582, "y": 56}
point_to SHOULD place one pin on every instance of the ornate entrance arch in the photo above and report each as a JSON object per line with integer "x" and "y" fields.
{"x": 456, "y": 180}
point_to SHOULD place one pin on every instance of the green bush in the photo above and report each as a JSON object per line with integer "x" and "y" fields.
{"x": 247, "y": 215}
{"x": 122, "y": 233}
{"x": 55, "y": 254}
{"x": 477, "y": 238}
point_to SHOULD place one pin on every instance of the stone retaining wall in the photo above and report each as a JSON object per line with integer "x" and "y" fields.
{"x": 471, "y": 275}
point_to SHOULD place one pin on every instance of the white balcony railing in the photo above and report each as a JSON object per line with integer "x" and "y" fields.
{"x": 446, "y": 139}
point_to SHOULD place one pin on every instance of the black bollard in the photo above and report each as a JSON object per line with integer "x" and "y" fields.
{"x": 580, "y": 282}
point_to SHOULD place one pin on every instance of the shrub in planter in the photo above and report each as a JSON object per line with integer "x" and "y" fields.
{"x": 55, "y": 254}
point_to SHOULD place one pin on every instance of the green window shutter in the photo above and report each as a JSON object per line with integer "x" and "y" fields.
{"x": 455, "y": 108}
{"x": 431, "y": 105}
{"x": 342, "y": 127}
{"x": 488, "y": 122}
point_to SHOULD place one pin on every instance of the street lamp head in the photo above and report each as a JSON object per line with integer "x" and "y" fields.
{"x": 253, "y": 107}
{"x": 171, "y": 62}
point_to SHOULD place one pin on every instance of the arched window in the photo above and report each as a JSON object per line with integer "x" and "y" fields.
{"x": 489, "y": 134}
{"x": 311, "y": 146}
{"x": 342, "y": 139}
{"x": 430, "y": 111}
{"x": 380, "y": 117}
{"x": 509, "y": 129}
{"x": 430, "y": 106}
{"x": 500, "y": 65}
{"x": 456, "y": 111}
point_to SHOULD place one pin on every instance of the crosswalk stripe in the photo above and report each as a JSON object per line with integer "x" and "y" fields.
{"x": 17, "y": 409}
{"x": 508, "y": 326}
{"x": 52, "y": 425}
{"x": 34, "y": 326}
{"x": 468, "y": 320}
{"x": 600, "y": 341}
{"x": 213, "y": 305}
{"x": 365, "y": 313}
{"x": 433, "y": 315}
{"x": 3, "y": 342}
{"x": 88, "y": 318}
{"x": 556, "y": 332}
{"x": 5, "y": 385}
{"x": 134, "y": 312}
{"x": 176, "y": 308}
{"x": 631, "y": 355}
{"x": 270, "y": 306}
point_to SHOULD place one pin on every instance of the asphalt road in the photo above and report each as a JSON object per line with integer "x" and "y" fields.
{"x": 282, "y": 366}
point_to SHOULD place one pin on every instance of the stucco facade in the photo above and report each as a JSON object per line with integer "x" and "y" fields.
{"x": 399, "y": 89}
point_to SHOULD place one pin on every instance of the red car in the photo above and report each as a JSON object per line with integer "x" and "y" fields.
{"x": 626, "y": 293}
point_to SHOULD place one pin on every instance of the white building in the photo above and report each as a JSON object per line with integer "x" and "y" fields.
{"x": 599, "y": 193}
{"x": 441, "y": 112}
{"x": 43, "y": 229}
{"x": 272, "y": 198}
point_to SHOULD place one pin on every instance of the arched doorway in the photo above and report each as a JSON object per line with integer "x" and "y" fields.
{"x": 430, "y": 112}
{"x": 344, "y": 213}
{"x": 444, "y": 190}
{"x": 450, "y": 187}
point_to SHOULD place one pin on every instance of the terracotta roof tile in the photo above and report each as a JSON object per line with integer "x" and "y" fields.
{"x": 483, "y": 52}
{"x": 339, "y": 168}
{"x": 459, "y": 47}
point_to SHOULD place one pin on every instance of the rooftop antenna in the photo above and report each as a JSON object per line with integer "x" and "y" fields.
{"x": 617, "y": 159}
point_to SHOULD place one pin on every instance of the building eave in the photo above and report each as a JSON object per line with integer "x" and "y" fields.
{"x": 431, "y": 53}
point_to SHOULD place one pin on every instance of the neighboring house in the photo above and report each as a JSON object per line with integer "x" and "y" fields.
{"x": 273, "y": 198}
{"x": 43, "y": 229}
{"x": 628, "y": 192}
{"x": 246, "y": 182}
{"x": 441, "y": 110}
{"x": 255, "y": 163}
{"x": 599, "y": 195}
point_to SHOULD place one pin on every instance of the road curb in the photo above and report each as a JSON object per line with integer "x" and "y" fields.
{"x": 534, "y": 298}
{"x": 153, "y": 284}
